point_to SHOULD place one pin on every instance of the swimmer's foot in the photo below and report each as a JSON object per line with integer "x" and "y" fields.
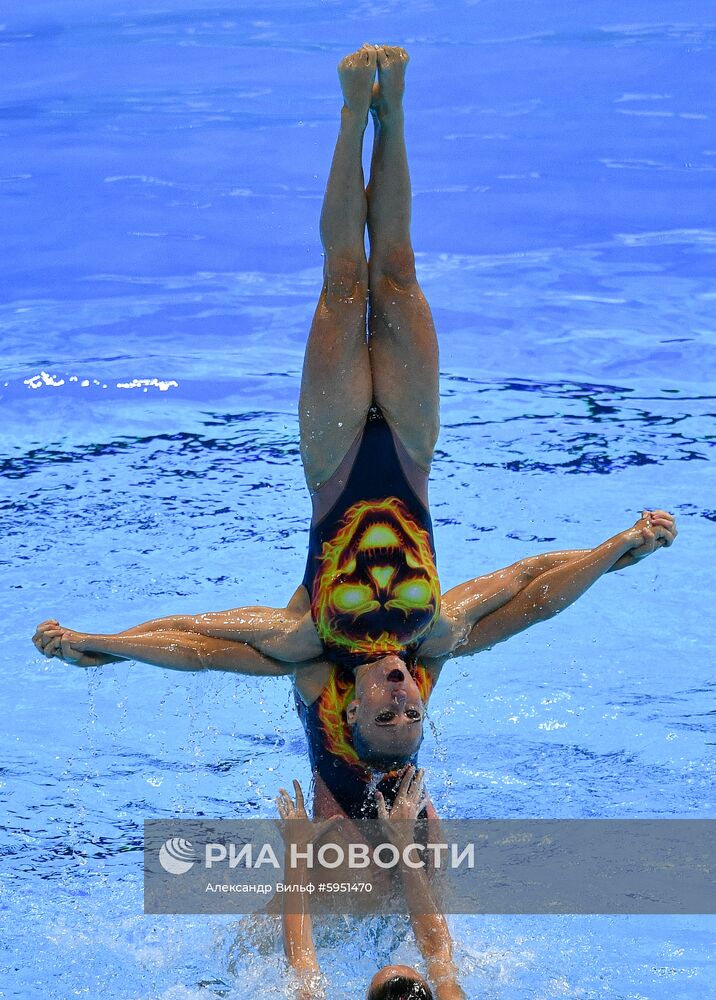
{"x": 387, "y": 98}
{"x": 356, "y": 73}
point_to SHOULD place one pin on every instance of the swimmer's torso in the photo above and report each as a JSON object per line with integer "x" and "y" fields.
{"x": 370, "y": 573}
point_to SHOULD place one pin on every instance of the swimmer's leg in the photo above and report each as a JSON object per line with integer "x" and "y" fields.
{"x": 403, "y": 345}
{"x": 337, "y": 388}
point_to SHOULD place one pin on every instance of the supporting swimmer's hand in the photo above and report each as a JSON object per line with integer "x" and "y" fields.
{"x": 295, "y": 826}
{"x": 397, "y": 822}
{"x": 654, "y": 530}
{"x": 356, "y": 73}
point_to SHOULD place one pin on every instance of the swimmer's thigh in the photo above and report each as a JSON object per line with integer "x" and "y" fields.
{"x": 337, "y": 386}
{"x": 404, "y": 359}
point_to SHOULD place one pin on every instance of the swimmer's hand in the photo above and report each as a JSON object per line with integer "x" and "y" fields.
{"x": 397, "y": 823}
{"x": 52, "y": 640}
{"x": 295, "y": 826}
{"x": 655, "y": 529}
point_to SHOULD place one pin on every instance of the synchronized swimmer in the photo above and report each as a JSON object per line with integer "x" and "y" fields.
{"x": 367, "y": 632}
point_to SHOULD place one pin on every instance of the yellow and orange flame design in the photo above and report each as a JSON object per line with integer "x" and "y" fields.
{"x": 360, "y": 521}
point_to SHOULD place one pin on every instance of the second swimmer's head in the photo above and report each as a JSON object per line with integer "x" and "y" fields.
{"x": 398, "y": 982}
{"x": 386, "y": 715}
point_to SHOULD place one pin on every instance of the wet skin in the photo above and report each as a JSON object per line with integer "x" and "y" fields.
{"x": 387, "y": 706}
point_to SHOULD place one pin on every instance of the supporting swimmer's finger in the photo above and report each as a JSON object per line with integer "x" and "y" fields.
{"x": 46, "y": 641}
{"x": 417, "y": 772}
{"x": 664, "y": 532}
{"x": 299, "y": 795}
{"x": 285, "y": 803}
{"x": 416, "y": 789}
{"x": 380, "y": 802}
{"x": 405, "y": 781}
{"x": 417, "y": 794}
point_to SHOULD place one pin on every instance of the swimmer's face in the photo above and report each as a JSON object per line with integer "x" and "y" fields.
{"x": 387, "y": 709}
{"x": 389, "y": 972}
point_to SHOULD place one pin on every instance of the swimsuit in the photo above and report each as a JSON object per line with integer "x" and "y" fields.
{"x": 370, "y": 572}
{"x": 330, "y": 750}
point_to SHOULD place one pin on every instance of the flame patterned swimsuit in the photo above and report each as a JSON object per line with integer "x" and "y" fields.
{"x": 374, "y": 590}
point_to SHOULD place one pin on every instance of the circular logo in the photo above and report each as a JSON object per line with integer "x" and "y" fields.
{"x": 176, "y": 856}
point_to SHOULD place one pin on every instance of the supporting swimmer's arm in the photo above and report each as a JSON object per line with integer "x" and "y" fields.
{"x": 298, "y": 937}
{"x": 429, "y": 924}
{"x": 297, "y": 926}
{"x": 172, "y": 650}
{"x": 431, "y": 934}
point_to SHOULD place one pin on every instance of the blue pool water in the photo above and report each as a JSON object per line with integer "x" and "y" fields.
{"x": 161, "y": 173}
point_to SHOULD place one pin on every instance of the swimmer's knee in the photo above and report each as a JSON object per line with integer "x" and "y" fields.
{"x": 394, "y": 266}
{"x": 345, "y": 280}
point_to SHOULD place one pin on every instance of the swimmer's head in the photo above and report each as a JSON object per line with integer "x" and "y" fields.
{"x": 398, "y": 982}
{"x": 386, "y": 715}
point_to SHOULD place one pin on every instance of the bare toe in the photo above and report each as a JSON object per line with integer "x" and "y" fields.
{"x": 392, "y": 56}
{"x": 370, "y": 56}
{"x": 356, "y": 73}
{"x": 391, "y": 61}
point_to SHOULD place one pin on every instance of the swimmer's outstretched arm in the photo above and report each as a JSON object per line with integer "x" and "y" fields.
{"x": 492, "y": 608}
{"x": 286, "y": 634}
{"x": 186, "y": 651}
